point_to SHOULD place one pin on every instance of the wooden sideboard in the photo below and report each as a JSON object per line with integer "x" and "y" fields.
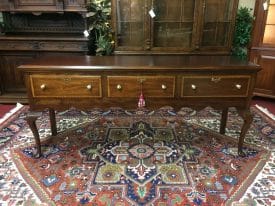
{"x": 61, "y": 82}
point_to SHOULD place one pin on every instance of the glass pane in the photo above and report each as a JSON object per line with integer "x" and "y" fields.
{"x": 173, "y": 24}
{"x": 130, "y": 22}
{"x": 215, "y": 34}
{"x": 271, "y": 15}
{"x": 173, "y": 34}
{"x": 217, "y": 21}
{"x": 269, "y": 37}
{"x": 131, "y": 34}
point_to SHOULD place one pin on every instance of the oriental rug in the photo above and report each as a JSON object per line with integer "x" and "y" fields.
{"x": 140, "y": 157}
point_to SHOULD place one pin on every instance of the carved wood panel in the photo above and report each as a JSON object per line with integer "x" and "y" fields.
{"x": 52, "y": 23}
{"x": 43, "y": 5}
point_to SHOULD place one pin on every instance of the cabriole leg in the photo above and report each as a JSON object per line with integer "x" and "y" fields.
{"x": 247, "y": 117}
{"x": 31, "y": 118}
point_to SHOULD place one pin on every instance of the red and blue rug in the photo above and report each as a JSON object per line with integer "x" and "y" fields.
{"x": 142, "y": 157}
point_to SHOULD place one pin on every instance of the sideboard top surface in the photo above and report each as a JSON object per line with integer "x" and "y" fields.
{"x": 152, "y": 62}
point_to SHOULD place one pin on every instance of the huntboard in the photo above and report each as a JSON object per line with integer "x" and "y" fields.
{"x": 59, "y": 82}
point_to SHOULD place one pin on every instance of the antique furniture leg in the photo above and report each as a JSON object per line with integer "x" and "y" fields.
{"x": 223, "y": 120}
{"x": 31, "y": 118}
{"x": 247, "y": 117}
{"x": 53, "y": 122}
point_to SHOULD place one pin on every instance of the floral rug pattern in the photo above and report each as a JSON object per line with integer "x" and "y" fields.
{"x": 144, "y": 157}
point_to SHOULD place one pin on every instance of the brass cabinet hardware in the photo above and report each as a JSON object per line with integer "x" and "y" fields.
{"x": 43, "y": 86}
{"x": 163, "y": 86}
{"x": 119, "y": 87}
{"x": 238, "y": 86}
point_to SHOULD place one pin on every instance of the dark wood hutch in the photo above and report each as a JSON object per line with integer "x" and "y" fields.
{"x": 36, "y": 28}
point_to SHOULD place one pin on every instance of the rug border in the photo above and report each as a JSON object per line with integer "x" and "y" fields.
{"x": 10, "y": 114}
{"x": 11, "y": 118}
{"x": 265, "y": 111}
{"x": 237, "y": 195}
{"x": 43, "y": 196}
{"x": 262, "y": 114}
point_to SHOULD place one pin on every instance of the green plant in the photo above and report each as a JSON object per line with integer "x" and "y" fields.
{"x": 242, "y": 35}
{"x": 100, "y": 31}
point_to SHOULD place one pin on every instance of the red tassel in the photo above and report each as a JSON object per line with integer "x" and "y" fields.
{"x": 141, "y": 101}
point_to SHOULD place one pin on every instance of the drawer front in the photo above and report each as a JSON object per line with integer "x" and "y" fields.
{"x": 130, "y": 86}
{"x": 215, "y": 86}
{"x": 65, "y": 86}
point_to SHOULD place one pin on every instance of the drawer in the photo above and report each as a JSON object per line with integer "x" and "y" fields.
{"x": 65, "y": 86}
{"x": 130, "y": 86}
{"x": 215, "y": 86}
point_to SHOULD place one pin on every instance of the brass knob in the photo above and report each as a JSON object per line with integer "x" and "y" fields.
{"x": 119, "y": 87}
{"x": 89, "y": 86}
{"x": 43, "y": 86}
{"x": 193, "y": 86}
{"x": 163, "y": 86}
{"x": 238, "y": 86}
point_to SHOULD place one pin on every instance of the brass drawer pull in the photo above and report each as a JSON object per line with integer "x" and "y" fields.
{"x": 163, "y": 86}
{"x": 89, "y": 86}
{"x": 43, "y": 86}
{"x": 238, "y": 86}
{"x": 119, "y": 87}
{"x": 215, "y": 79}
{"x": 193, "y": 86}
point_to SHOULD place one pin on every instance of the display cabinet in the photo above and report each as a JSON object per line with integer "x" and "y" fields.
{"x": 263, "y": 47}
{"x": 37, "y": 28}
{"x": 174, "y": 26}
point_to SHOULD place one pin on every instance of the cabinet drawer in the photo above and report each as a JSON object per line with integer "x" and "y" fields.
{"x": 215, "y": 86}
{"x": 65, "y": 86}
{"x": 130, "y": 86}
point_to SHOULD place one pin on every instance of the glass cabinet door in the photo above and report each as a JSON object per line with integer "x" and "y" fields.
{"x": 269, "y": 32}
{"x": 173, "y": 25}
{"x": 130, "y": 23}
{"x": 217, "y": 22}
